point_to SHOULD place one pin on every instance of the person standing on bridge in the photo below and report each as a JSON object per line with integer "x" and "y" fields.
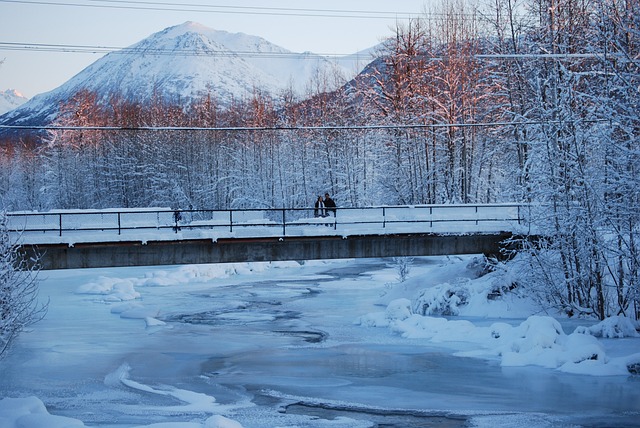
{"x": 177, "y": 218}
{"x": 329, "y": 204}
{"x": 318, "y": 210}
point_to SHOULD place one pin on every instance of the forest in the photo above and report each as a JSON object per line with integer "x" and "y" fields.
{"x": 533, "y": 101}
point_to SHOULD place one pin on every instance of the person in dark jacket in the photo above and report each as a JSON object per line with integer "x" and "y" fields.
{"x": 177, "y": 218}
{"x": 329, "y": 204}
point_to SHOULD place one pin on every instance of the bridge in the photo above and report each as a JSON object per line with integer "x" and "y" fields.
{"x": 159, "y": 236}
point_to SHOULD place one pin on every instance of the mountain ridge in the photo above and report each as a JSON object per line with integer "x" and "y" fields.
{"x": 180, "y": 64}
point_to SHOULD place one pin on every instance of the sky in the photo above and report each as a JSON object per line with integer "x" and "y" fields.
{"x": 330, "y": 27}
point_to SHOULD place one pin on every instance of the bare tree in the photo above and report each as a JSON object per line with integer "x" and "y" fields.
{"x": 19, "y": 306}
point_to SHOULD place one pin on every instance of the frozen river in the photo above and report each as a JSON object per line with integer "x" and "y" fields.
{"x": 277, "y": 346}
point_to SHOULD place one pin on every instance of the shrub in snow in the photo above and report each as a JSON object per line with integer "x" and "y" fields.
{"x": 559, "y": 280}
{"x": 481, "y": 266}
{"x": 449, "y": 298}
{"x": 403, "y": 267}
{"x": 399, "y": 309}
{"x": 444, "y": 299}
{"x": 373, "y": 319}
{"x": 613, "y": 327}
{"x": 503, "y": 277}
{"x": 502, "y": 284}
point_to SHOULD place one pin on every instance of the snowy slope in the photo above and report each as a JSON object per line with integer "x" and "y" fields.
{"x": 356, "y": 62}
{"x": 11, "y": 99}
{"x": 179, "y": 64}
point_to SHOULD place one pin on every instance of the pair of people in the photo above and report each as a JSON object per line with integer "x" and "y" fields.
{"x": 324, "y": 207}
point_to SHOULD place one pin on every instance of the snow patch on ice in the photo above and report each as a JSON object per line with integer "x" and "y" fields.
{"x": 519, "y": 420}
{"x": 31, "y": 412}
{"x": 113, "y": 290}
{"x": 192, "y": 402}
{"x": 123, "y": 290}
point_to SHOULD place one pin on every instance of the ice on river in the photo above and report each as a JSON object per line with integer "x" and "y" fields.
{"x": 316, "y": 344}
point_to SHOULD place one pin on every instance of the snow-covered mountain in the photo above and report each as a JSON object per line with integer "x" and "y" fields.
{"x": 182, "y": 63}
{"x": 11, "y": 99}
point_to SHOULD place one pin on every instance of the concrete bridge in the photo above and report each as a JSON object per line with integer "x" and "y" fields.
{"x": 109, "y": 238}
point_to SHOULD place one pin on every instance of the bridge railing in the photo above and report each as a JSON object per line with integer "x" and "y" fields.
{"x": 162, "y": 223}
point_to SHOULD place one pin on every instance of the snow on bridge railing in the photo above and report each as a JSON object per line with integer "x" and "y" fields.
{"x": 145, "y": 224}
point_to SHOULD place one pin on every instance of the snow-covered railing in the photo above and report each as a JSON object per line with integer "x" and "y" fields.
{"x": 164, "y": 223}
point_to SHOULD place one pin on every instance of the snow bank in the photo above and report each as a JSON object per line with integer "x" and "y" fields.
{"x": 539, "y": 340}
{"x": 465, "y": 291}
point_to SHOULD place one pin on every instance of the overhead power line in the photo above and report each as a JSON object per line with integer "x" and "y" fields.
{"x": 208, "y": 8}
{"x": 294, "y": 128}
{"x": 94, "y": 49}
{"x": 270, "y": 10}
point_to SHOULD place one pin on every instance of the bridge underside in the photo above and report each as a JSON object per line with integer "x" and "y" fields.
{"x": 197, "y": 251}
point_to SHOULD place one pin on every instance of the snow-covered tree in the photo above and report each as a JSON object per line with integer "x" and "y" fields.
{"x": 19, "y": 305}
{"x": 584, "y": 157}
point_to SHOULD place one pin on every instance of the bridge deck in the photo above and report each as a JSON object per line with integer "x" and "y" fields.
{"x": 151, "y": 237}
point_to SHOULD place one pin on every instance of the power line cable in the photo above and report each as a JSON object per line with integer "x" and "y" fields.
{"x": 94, "y": 49}
{"x": 68, "y": 48}
{"x": 294, "y": 128}
{"x": 242, "y": 10}
{"x": 251, "y": 8}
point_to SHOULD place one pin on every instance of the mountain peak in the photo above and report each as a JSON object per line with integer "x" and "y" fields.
{"x": 183, "y": 63}
{"x": 193, "y": 26}
{"x": 13, "y": 93}
{"x": 10, "y": 99}
{"x": 184, "y": 28}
